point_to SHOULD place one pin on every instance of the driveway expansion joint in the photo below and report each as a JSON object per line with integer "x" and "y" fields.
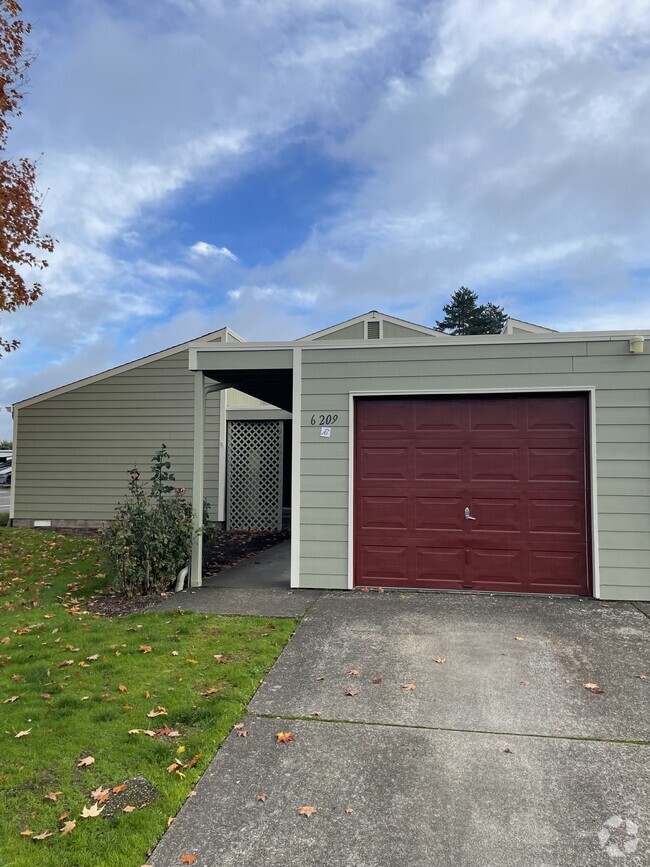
{"x": 311, "y": 719}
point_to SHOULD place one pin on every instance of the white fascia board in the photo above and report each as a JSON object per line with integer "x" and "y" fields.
{"x": 122, "y": 368}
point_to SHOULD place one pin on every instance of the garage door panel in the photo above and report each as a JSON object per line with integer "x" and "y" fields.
{"x": 494, "y": 464}
{"x": 439, "y": 513}
{"x": 556, "y": 571}
{"x": 438, "y": 464}
{"x": 496, "y": 515}
{"x": 384, "y": 564}
{"x": 517, "y": 463}
{"x": 494, "y": 415}
{"x": 384, "y": 513}
{"x": 555, "y": 517}
{"x": 556, "y": 464}
{"x": 384, "y": 463}
{"x": 438, "y": 416}
{"x": 440, "y": 567}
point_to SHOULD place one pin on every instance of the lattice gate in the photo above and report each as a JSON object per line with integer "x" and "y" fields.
{"x": 254, "y": 475}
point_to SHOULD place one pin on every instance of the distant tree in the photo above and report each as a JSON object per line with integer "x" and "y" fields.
{"x": 21, "y": 245}
{"x": 464, "y": 315}
{"x": 6, "y": 444}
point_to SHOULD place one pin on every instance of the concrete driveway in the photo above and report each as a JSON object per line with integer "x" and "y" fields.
{"x": 497, "y": 757}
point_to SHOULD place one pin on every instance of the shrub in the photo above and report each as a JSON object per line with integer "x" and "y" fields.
{"x": 150, "y": 538}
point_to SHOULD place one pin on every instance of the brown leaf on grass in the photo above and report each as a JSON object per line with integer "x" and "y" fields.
{"x": 188, "y": 859}
{"x": 219, "y": 658}
{"x": 42, "y": 836}
{"x": 23, "y": 734}
{"x": 352, "y": 692}
{"x": 45, "y": 695}
{"x": 307, "y": 811}
{"x": 122, "y": 688}
{"x": 211, "y": 691}
{"x": 284, "y": 737}
{"x": 408, "y": 686}
{"x": 66, "y": 662}
{"x": 128, "y": 809}
{"x": 91, "y": 812}
{"x": 83, "y": 664}
{"x": 100, "y": 794}
{"x": 262, "y": 797}
{"x": 174, "y": 653}
{"x": 170, "y": 819}
{"x": 146, "y": 648}
{"x": 26, "y": 833}
{"x": 12, "y": 699}
{"x": 93, "y": 657}
{"x": 162, "y": 711}
{"x": 86, "y": 762}
{"x": 63, "y": 816}
{"x": 440, "y": 660}
{"x": 69, "y": 826}
{"x": 52, "y": 796}
{"x": 71, "y": 648}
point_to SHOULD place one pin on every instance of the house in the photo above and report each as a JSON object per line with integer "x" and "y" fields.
{"x": 517, "y": 462}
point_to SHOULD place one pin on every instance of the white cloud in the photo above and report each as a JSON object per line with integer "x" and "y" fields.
{"x": 203, "y": 249}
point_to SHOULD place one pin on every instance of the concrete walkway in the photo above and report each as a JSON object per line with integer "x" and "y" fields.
{"x": 498, "y": 756}
{"x": 259, "y": 586}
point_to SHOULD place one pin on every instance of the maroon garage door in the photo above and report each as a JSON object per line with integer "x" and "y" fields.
{"x": 488, "y": 493}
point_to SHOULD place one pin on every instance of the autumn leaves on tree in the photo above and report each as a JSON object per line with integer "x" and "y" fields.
{"x": 21, "y": 245}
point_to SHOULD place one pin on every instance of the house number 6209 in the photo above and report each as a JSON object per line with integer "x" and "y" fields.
{"x": 323, "y": 419}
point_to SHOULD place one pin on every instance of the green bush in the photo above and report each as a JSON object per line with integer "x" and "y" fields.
{"x": 150, "y": 538}
{"x": 4, "y": 519}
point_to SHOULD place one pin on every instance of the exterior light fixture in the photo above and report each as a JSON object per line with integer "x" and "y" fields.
{"x": 636, "y": 344}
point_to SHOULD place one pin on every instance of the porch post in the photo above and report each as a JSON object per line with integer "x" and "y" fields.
{"x": 196, "y": 569}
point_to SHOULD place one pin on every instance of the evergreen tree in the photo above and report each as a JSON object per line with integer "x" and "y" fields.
{"x": 464, "y": 315}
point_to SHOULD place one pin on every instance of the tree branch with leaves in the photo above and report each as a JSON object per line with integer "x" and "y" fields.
{"x": 21, "y": 244}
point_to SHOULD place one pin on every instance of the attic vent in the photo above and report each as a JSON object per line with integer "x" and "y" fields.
{"x": 372, "y": 329}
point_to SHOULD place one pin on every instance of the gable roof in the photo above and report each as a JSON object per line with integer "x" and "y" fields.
{"x": 225, "y": 332}
{"x": 369, "y": 316}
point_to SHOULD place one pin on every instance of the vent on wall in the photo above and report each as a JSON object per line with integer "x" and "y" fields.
{"x": 372, "y": 329}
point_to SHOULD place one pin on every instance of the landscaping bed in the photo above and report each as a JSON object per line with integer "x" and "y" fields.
{"x": 108, "y": 717}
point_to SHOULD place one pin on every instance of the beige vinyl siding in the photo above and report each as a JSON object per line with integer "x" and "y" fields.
{"x": 74, "y": 449}
{"x": 392, "y": 329}
{"x": 622, "y": 417}
{"x": 350, "y": 332}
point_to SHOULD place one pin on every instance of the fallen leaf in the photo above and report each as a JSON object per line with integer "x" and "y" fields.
{"x": 93, "y": 657}
{"x": 69, "y": 826}
{"x": 365, "y": 590}
{"x": 66, "y": 662}
{"x": 188, "y": 859}
{"x": 219, "y": 658}
{"x": 191, "y": 794}
{"x": 352, "y": 692}
{"x": 243, "y": 733}
{"x": 85, "y": 762}
{"x": 239, "y": 725}
{"x": 122, "y": 688}
{"x": 353, "y": 672}
{"x": 170, "y": 819}
{"x": 524, "y": 682}
{"x": 315, "y": 713}
{"x": 519, "y": 637}
{"x": 71, "y": 648}
{"x": 376, "y": 680}
{"x": 440, "y": 660}
{"x": 408, "y": 686}
{"x": 11, "y": 700}
{"x": 160, "y": 712}
{"x": 319, "y": 678}
{"x": 63, "y": 816}
{"x": 100, "y": 794}
{"x": 262, "y": 797}
{"x": 597, "y": 691}
{"x": 145, "y": 648}
{"x": 91, "y": 812}
{"x": 174, "y": 653}
{"x": 641, "y": 676}
{"x": 26, "y": 833}
{"x": 42, "y": 836}
{"x": 349, "y": 810}
{"x": 128, "y": 809}
{"x": 590, "y": 685}
{"x": 285, "y": 737}
{"x": 193, "y": 661}
{"x": 52, "y": 796}
{"x": 307, "y": 811}
{"x": 23, "y": 733}
{"x": 180, "y": 751}
{"x": 83, "y": 664}
{"x": 120, "y": 788}
{"x": 45, "y": 695}
{"x": 507, "y": 750}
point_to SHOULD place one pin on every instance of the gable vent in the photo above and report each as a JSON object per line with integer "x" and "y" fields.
{"x": 372, "y": 332}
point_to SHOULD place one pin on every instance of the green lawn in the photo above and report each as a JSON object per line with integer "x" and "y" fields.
{"x": 83, "y": 682}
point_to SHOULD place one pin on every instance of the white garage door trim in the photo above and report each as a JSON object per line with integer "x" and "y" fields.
{"x": 590, "y": 391}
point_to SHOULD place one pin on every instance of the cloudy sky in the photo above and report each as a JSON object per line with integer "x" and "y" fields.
{"x": 280, "y": 165}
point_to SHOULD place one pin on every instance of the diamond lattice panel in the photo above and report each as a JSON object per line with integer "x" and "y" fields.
{"x": 254, "y": 475}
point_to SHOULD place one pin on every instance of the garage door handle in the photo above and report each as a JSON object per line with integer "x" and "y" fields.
{"x": 467, "y": 514}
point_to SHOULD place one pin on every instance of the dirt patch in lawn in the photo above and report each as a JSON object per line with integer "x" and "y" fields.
{"x": 224, "y": 548}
